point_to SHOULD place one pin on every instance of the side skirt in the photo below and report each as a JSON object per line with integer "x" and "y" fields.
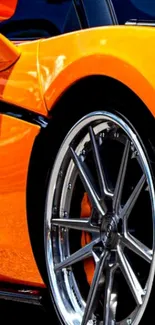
{"x": 22, "y": 294}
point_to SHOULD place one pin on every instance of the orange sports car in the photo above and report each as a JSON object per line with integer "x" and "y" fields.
{"x": 77, "y": 161}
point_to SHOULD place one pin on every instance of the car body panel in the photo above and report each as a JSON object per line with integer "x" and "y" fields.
{"x": 17, "y": 261}
{"x": 100, "y": 51}
{"x": 9, "y": 53}
{"x": 7, "y": 9}
{"x": 103, "y": 51}
{"x": 20, "y": 84}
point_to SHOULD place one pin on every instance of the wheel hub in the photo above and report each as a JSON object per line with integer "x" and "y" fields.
{"x": 109, "y": 231}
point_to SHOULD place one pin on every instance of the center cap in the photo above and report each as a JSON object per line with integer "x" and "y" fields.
{"x": 109, "y": 231}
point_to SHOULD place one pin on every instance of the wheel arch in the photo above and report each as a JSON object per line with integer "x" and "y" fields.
{"x": 42, "y": 159}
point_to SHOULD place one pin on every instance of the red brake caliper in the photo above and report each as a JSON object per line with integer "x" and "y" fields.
{"x": 86, "y": 238}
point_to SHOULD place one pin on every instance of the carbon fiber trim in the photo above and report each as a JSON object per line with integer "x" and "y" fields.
{"x": 23, "y": 114}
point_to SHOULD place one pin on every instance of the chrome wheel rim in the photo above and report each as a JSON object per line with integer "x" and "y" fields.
{"x": 112, "y": 245}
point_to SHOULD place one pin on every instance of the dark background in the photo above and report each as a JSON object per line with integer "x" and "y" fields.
{"x": 19, "y": 312}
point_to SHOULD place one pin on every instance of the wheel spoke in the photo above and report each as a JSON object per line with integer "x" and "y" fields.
{"x": 91, "y": 300}
{"x": 130, "y": 277}
{"x": 87, "y": 183}
{"x": 137, "y": 247}
{"x": 77, "y": 224}
{"x": 99, "y": 167}
{"x": 125, "y": 212}
{"x": 79, "y": 255}
{"x": 109, "y": 304}
{"x": 121, "y": 178}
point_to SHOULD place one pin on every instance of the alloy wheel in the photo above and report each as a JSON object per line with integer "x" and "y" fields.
{"x": 103, "y": 156}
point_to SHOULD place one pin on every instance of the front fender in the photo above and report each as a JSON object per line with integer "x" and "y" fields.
{"x": 124, "y": 53}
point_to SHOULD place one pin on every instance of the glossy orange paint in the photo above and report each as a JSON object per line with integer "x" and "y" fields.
{"x": 20, "y": 84}
{"x": 123, "y": 53}
{"x": 17, "y": 261}
{"x": 9, "y": 53}
{"x": 7, "y": 8}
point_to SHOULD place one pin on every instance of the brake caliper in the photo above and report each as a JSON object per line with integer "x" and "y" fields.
{"x": 86, "y": 238}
